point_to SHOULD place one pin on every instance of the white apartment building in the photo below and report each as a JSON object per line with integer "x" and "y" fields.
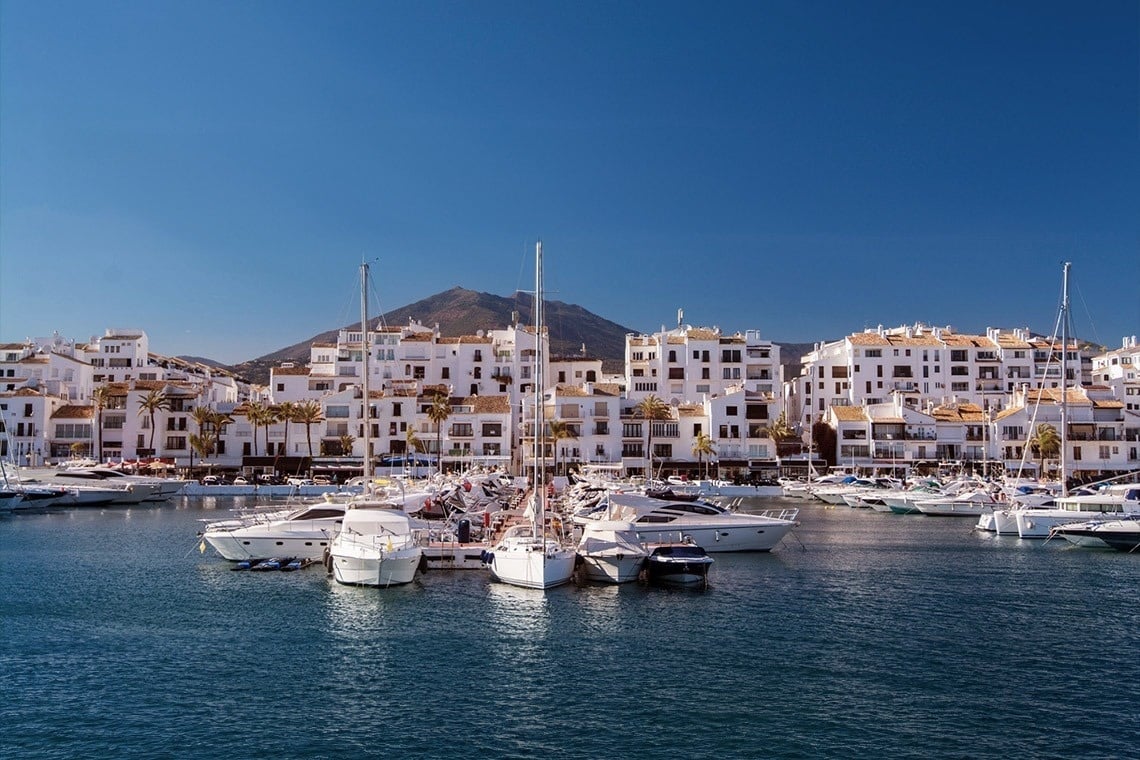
{"x": 922, "y": 365}
{"x": 1120, "y": 371}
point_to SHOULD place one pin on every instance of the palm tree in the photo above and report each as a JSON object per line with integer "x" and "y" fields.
{"x": 702, "y": 447}
{"x": 203, "y": 416}
{"x": 259, "y": 415}
{"x": 1045, "y": 443}
{"x": 203, "y": 443}
{"x": 412, "y": 441}
{"x": 308, "y": 413}
{"x": 154, "y": 401}
{"x": 99, "y": 397}
{"x": 285, "y": 412}
{"x": 779, "y": 430}
{"x": 651, "y": 409}
{"x": 346, "y": 442}
{"x": 560, "y": 430}
{"x": 438, "y": 413}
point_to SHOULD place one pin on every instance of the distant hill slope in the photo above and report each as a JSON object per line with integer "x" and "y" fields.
{"x": 463, "y": 312}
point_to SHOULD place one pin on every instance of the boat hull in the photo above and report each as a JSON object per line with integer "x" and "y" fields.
{"x": 532, "y": 568}
{"x": 611, "y": 569}
{"x": 365, "y": 566}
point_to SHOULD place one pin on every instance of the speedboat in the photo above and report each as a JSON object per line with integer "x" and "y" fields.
{"x": 713, "y": 528}
{"x": 1122, "y": 535}
{"x": 678, "y": 564}
{"x": 377, "y": 546}
{"x": 965, "y": 505}
{"x": 305, "y": 532}
{"x": 610, "y": 551}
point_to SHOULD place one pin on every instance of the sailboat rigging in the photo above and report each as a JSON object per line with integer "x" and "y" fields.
{"x": 527, "y": 555}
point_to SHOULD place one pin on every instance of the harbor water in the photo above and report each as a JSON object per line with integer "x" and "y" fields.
{"x": 862, "y": 635}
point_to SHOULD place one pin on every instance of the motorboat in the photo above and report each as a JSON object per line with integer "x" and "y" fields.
{"x": 305, "y": 532}
{"x": 713, "y": 528}
{"x": 158, "y": 489}
{"x": 677, "y": 564}
{"x": 141, "y": 488}
{"x": 1122, "y": 535}
{"x": 1114, "y": 501}
{"x": 377, "y": 545}
{"x": 610, "y": 551}
{"x": 970, "y": 504}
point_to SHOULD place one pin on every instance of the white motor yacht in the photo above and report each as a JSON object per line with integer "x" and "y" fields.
{"x": 970, "y": 504}
{"x": 305, "y": 533}
{"x": 610, "y": 551}
{"x": 713, "y": 528}
{"x": 377, "y": 546}
{"x": 1114, "y": 501}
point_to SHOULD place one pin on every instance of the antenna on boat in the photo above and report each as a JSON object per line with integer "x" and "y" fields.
{"x": 1065, "y": 381}
{"x": 364, "y": 351}
{"x": 539, "y": 382}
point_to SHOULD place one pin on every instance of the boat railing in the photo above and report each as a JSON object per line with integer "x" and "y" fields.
{"x": 789, "y": 514}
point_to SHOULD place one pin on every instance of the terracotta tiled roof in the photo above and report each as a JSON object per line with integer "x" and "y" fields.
{"x": 24, "y": 392}
{"x": 868, "y": 339}
{"x": 417, "y": 338}
{"x": 497, "y": 404}
{"x": 1008, "y": 412}
{"x": 703, "y": 333}
{"x": 11, "y": 346}
{"x": 1106, "y": 404}
{"x": 849, "y": 413}
{"x": 975, "y": 341}
{"x": 570, "y": 390}
{"x": 323, "y": 345}
{"x": 675, "y": 340}
{"x": 35, "y": 359}
{"x": 607, "y": 389}
{"x": 1073, "y": 396}
{"x": 964, "y": 412}
{"x": 917, "y": 340}
{"x": 150, "y": 385}
{"x": 74, "y": 412}
{"x": 690, "y": 410}
{"x": 289, "y": 371}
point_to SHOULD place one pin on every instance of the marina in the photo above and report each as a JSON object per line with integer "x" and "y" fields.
{"x": 862, "y": 633}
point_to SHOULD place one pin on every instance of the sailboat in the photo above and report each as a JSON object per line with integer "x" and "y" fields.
{"x": 377, "y": 544}
{"x": 528, "y": 555}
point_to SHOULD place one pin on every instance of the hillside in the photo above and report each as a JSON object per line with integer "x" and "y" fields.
{"x": 463, "y": 312}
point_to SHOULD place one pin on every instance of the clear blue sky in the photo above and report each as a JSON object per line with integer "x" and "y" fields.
{"x": 214, "y": 172}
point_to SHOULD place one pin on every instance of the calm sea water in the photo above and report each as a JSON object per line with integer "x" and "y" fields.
{"x": 862, "y": 635}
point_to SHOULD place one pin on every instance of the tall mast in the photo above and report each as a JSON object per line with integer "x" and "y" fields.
{"x": 539, "y": 384}
{"x": 365, "y": 350}
{"x": 1065, "y": 381}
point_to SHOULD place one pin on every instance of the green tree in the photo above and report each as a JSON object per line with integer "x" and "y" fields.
{"x": 1046, "y": 444}
{"x": 560, "y": 430}
{"x": 203, "y": 443}
{"x": 285, "y": 412}
{"x": 153, "y": 402}
{"x": 346, "y": 442}
{"x": 308, "y": 413}
{"x": 100, "y": 397}
{"x": 703, "y": 447}
{"x": 259, "y": 415}
{"x": 438, "y": 413}
{"x": 651, "y": 409}
{"x": 203, "y": 417}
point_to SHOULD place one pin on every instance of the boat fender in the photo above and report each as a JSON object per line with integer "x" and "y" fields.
{"x": 328, "y": 561}
{"x": 486, "y": 519}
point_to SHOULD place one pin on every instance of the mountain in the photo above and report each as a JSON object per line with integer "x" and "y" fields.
{"x": 464, "y": 312}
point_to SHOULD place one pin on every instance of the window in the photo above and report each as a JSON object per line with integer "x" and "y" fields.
{"x": 445, "y": 373}
{"x": 730, "y": 411}
{"x": 873, "y": 352}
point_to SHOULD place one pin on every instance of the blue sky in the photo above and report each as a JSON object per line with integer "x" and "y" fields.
{"x": 214, "y": 172}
